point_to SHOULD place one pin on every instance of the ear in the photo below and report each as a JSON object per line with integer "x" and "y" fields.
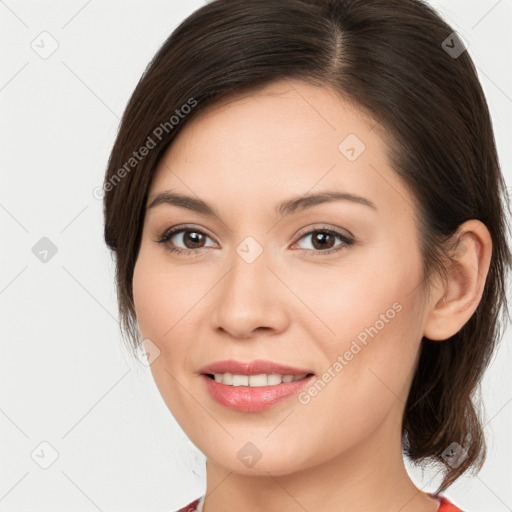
{"x": 454, "y": 302}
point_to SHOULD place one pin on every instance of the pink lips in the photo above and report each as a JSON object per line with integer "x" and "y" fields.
{"x": 252, "y": 399}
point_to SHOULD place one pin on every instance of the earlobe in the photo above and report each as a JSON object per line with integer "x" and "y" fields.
{"x": 455, "y": 301}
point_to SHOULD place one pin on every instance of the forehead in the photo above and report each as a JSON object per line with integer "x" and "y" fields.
{"x": 293, "y": 118}
{"x": 284, "y": 139}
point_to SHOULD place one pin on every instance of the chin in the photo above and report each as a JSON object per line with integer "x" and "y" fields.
{"x": 259, "y": 457}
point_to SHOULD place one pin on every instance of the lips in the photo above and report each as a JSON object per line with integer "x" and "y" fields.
{"x": 245, "y": 398}
{"x": 253, "y": 399}
{"x": 255, "y": 367}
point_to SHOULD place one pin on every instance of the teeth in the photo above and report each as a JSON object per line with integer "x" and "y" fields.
{"x": 240, "y": 380}
{"x": 254, "y": 381}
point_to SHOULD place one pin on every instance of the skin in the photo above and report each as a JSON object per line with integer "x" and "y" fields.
{"x": 342, "y": 450}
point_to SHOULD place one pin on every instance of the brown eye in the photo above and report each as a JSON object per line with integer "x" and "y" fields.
{"x": 191, "y": 239}
{"x": 323, "y": 241}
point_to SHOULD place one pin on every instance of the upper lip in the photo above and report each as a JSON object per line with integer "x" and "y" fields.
{"x": 251, "y": 368}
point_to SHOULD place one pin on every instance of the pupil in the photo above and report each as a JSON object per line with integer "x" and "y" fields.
{"x": 320, "y": 239}
{"x": 195, "y": 237}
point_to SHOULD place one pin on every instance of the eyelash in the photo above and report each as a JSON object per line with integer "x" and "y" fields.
{"x": 347, "y": 241}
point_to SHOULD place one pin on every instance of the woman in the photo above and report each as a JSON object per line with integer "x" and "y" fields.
{"x": 307, "y": 212}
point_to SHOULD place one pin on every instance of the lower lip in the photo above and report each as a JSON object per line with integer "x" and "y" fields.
{"x": 249, "y": 399}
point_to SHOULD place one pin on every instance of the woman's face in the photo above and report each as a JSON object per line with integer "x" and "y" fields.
{"x": 259, "y": 283}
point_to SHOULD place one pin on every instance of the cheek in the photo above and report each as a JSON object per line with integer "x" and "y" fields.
{"x": 365, "y": 383}
{"x": 375, "y": 333}
{"x": 357, "y": 302}
{"x": 151, "y": 296}
{"x": 376, "y": 366}
{"x": 160, "y": 307}
{"x": 144, "y": 298}
{"x": 166, "y": 299}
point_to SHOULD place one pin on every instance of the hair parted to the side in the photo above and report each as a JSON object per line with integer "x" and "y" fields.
{"x": 386, "y": 56}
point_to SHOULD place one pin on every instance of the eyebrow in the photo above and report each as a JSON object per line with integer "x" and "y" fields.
{"x": 285, "y": 208}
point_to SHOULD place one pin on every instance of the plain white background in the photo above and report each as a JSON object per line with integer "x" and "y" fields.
{"x": 71, "y": 398}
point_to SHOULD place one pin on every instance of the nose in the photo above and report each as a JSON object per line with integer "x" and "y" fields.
{"x": 251, "y": 298}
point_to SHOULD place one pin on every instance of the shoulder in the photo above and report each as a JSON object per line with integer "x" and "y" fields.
{"x": 194, "y": 506}
{"x": 446, "y": 506}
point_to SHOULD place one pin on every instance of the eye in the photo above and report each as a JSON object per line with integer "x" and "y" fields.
{"x": 322, "y": 240}
{"x": 193, "y": 239}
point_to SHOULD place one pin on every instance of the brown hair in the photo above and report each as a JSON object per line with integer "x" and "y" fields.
{"x": 396, "y": 60}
